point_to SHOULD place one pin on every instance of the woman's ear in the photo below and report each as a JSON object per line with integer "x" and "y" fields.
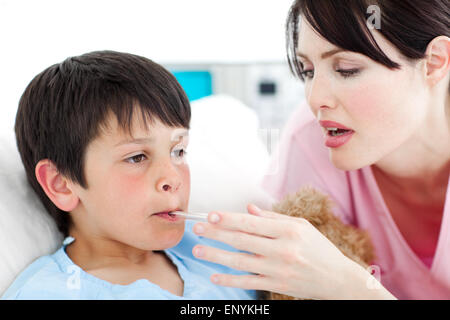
{"x": 437, "y": 59}
{"x": 56, "y": 186}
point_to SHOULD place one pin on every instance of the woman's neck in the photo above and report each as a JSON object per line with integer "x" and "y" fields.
{"x": 419, "y": 190}
{"x": 421, "y": 166}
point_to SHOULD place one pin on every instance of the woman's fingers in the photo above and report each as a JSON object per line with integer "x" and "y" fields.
{"x": 248, "y": 223}
{"x": 252, "y": 282}
{"x": 239, "y": 240}
{"x": 247, "y": 282}
{"x": 236, "y": 260}
{"x": 254, "y": 210}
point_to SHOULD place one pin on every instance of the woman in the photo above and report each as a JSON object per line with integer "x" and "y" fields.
{"x": 387, "y": 167}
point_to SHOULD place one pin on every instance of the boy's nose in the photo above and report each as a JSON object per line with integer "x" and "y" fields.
{"x": 168, "y": 186}
{"x": 170, "y": 182}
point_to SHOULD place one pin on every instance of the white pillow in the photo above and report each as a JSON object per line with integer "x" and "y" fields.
{"x": 226, "y": 156}
{"x": 26, "y": 229}
{"x": 227, "y": 161}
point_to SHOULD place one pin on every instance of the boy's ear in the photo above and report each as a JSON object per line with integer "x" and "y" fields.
{"x": 55, "y": 185}
{"x": 437, "y": 59}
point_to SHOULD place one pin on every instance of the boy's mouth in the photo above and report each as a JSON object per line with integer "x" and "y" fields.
{"x": 167, "y": 214}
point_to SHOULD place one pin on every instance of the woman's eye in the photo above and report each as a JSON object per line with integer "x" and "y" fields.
{"x": 308, "y": 74}
{"x": 136, "y": 159}
{"x": 346, "y": 73}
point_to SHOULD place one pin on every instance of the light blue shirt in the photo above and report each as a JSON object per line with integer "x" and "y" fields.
{"x": 57, "y": 277}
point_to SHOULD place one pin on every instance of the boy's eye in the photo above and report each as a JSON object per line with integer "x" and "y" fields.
{"x": 179, "y": 153}
{"x": 135, "y": 159}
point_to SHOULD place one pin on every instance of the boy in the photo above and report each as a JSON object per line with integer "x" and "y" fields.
{"x": 103, "y": 138}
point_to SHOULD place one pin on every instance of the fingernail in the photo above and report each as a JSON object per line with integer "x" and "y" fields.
{"x": 198, "y": 252}
{"x": 215, "y": 279}
{"x": 213, "y": 217}
{"x": 256, "y": 209}
{"x": 199, "y": 229}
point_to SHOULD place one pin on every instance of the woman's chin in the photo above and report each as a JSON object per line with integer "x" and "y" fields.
{"x": 345, "y": 163}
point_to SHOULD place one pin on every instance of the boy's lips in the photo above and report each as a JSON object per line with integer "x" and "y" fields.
{"x": 167, "y": 216}
{"x": 167, "y": 212}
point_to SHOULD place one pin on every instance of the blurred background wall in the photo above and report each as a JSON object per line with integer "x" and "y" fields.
{"x": 234, "y": 47}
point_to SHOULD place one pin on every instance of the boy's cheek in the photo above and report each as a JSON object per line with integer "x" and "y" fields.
{"x": 186, "y": 175}
{"x": 127, "y": 186}
{"x": 127, "y": 190}
{"x": 187, "y": 184}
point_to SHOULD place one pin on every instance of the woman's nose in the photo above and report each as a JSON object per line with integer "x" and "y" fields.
{"x": 319, "y": 93}
{"x": 169, "y": 181}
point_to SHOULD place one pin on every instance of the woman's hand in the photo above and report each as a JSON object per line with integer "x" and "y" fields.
{"x": 285, "y": 254}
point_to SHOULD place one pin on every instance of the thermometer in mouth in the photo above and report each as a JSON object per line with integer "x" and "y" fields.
{"x": 191, "y": 216}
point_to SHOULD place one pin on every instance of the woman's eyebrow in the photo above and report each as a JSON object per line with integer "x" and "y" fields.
{"x": 324, "y": 55}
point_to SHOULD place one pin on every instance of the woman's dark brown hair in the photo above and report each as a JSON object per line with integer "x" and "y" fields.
{"x": 410, "y": 25}
{"x": 64, "y": 107}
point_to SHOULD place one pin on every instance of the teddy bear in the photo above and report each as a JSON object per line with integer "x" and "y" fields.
{"x": 314, "y": 206}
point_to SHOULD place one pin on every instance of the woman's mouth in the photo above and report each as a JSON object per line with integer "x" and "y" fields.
{"x": 337, "y": 134}
{"x": 334, "y": 132}
{"x": 338, "y": 137}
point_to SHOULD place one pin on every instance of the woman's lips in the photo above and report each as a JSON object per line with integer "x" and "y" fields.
{"x": 333, "y": 124}
{"x": 333, "y": 140}
{"x": 337, "y": 141}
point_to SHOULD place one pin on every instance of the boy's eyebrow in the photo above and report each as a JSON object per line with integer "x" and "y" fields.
{"x": 178, "y": 136}
{"x": 323, "y": 55}
{"x": 135, "y": 141}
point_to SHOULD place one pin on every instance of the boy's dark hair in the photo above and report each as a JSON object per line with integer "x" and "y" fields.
{"x": 64, "y": 107}
{"x": 408, "y": 25}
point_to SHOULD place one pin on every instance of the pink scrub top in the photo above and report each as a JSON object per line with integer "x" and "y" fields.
{"x": 302, "y": 159}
